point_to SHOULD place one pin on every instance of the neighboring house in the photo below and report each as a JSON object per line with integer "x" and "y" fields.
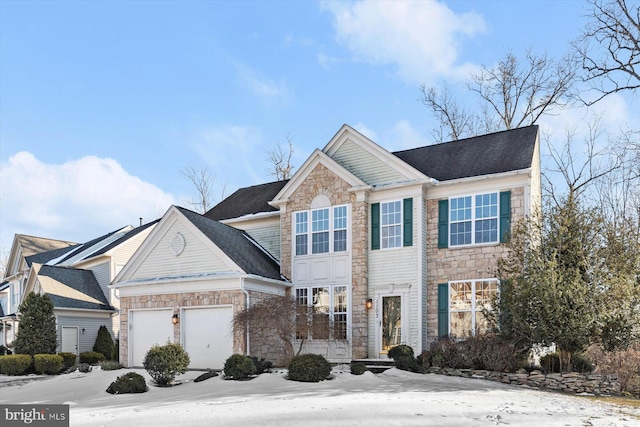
{"x": 76, "y": 277}
{"x": 391, "y": 247}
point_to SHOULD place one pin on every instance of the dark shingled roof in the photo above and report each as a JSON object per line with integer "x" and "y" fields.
{"x": 124, "y": 238}
{"x": 247, "y": 201}
{"x": 82, "y": 281}
{"x": 499, "y": 152}
{"x": 238, "y": 245}
{"x": 45, "y": 257}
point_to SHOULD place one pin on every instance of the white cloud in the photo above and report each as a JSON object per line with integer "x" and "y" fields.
{"x": 422, "y": 39}
{"x": 78, "y": 200}
{"x": 363, "y": 129}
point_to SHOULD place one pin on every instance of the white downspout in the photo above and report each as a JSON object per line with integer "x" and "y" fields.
{"x": 246, "y": 306}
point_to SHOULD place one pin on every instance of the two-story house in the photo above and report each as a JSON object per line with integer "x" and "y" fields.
{"x": 76, "y": 278}
{"x": 391, "y": 247}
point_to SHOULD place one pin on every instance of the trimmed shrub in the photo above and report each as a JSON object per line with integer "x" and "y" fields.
{"x": 309, "y": 368}
{"x": 164, "y": 362}
{"x": 85, "y": 368}
{"x": 400, "y": 350}
{"x": 50, "y": 364}
{"x": 406, "y": 363}
{"x": 91, "y": 357}
{"x": 239, "y": 367}
{"x": 110, "y": 365}
{"x": 3, "y": 350}
{"x": 205, "y": 376}
{"x": 104, "y": 343}
{"x": 68, "y": 360}
{"x": 130, "y": 382}
{"x": 358, "y": 368}
{"x": 15, "y": 364}
{"x": 262, "y": 365}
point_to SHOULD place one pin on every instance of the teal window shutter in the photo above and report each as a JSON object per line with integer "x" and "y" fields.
{"x": 407, "y": 221}
{"x": 505, "y": 215}
{"x": 443, "y": 309}
{"x": 443, "y": 223}
{"x": 375, "y": 226}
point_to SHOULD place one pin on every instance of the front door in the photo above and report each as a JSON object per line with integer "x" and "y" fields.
{"x": 70, "y": 339}
{"x": 390, "y": 318}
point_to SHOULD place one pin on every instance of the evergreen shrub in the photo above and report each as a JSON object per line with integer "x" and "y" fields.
{"x": 130, "y": 382}
{"x": 358, "y": 368}
{"x": 15, "y": 364}
{"x": 50, "y": 364}
{"x": 68, "y": 360}
{"x": 262, "y": 365}
{"x": 91, "y": 357}
{"x": 309, "y": 368}
{"x": 104, "y": 343}
{"x": 239, "y": 367}
{"x": 164, "y": 362}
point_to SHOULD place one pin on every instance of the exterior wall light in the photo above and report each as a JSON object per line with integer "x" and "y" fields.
{"x": 369, "y": 304}
{"x": 175, "y": 319}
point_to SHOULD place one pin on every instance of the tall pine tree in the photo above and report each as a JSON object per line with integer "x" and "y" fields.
{"x": 37, "y": 328}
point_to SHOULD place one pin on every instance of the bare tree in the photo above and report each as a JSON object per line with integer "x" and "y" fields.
{"x": 515, "y": 92}
{"x": 280, "y": 160}
{"x": 609, "y": 47}
{"x": 203, "y": 183}
{"x": 280, "y": 317}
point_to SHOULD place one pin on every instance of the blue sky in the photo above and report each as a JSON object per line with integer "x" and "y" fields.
{"x": 103, "y": 103}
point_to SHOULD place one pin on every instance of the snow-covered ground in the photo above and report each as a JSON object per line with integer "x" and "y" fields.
{"x": 394, "y": 398}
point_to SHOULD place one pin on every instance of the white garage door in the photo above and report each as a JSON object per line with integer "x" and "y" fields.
{"x": 147, "y": 328}
{"x": 207, "y": 336}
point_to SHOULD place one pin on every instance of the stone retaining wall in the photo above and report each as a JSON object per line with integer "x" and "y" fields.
{"x": 571, "y": 382}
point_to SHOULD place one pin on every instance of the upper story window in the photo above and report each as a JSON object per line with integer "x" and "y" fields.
{"x": 392, "y": 224}
{"x": 326, "y": 233}
{"x": 477, "y": 219}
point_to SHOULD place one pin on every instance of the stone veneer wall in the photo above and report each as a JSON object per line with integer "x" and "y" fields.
{"x": 322, "y": 181}
{"x": 468, "y": 263}
{"x": 268, "y": 346}
{"x": 571, "y": 382}
{"x": 177, "y": 301}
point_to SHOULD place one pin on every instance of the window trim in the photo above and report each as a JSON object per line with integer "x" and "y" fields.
{"x": 473, "y": 220}
{"x": 309, "y": 233}
{"x": 330, "y": 309}
{"x": 473, "y": 308}
{"x": 405, "y": 223}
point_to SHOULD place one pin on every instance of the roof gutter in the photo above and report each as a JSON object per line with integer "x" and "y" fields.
{"x": 483, "y": 177}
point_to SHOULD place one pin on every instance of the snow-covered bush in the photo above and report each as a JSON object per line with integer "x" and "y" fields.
{"x": 128, "y": 383}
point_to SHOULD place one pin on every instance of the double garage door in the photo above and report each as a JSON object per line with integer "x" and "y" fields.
{"x": 205, "y": 334}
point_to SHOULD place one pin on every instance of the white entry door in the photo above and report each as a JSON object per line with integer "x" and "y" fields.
{"x": 147, "y": 328}
{"x": 206, "y": 336}
{"x": 69, "y": 339}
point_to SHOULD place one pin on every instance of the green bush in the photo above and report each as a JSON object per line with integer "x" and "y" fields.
{"x": 15, "y": 364}
{"x": 37, "y": 331}
{"x": 550, "y": 363}
{"x": 104, "y": 343}
{"x": 239, "y": 367}
{"x": 3, "y": 350}
{"x": 91, "y": 357}
{"x": 400, "y": 350}
{"x": 164, "y": 362}
{"x": 407, "y": 363}
{"x": 50, "y": 364}
{"x": 85, "y": 368}
{"x": 110, "y": 365}
{"x": 358, "y": 368}
{"x": 68, "y": 360}
{"x": 262, "y": 365}
{"x": 128, "y": 383}
{"x": 309, "y": 368}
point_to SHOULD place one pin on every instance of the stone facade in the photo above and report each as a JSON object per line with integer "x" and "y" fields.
{"x": 322, "y": 181}
{"x": 478, "y": 262}
{"x": 176, "y": 302}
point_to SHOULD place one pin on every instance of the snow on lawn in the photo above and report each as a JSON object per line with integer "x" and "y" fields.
{"x": 394, "y": 398}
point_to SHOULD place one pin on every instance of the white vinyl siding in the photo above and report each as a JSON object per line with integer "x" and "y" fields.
{"x": 196, "y": 257}
{"x": 366, "y": 165}
{"x": 102, "y": 272}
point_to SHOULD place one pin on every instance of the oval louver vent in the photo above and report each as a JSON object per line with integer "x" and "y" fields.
{"x": 177, "y": 244}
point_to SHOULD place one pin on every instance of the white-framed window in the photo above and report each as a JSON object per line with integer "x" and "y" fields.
{"x": 467, "y": 299}
{"x": 473, "y": 219}
{"x": 326, "y": 233}
{"x": 322, "y": 312}
{"x": 15, "y": 296}
{"x": 391, "y": 224}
